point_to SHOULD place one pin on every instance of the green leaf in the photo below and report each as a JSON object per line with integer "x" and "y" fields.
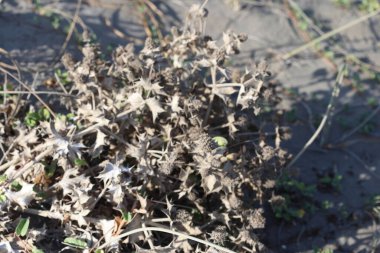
{"x": 44, "y": 114}
{"x": 3, "y": 198}
{"x": 16, "y": 186}
{"x": 63, "y": 76}
{"x": 220, "y": 141}
{"x": 99, "y": 251}
{"x": 55, "y": 22}
{"x": 329, "y": 54}
{"x": 22, "y": 227}
{"x": 3, "y": 178}
{"x": 36, "y": 250}
{"x": 127, "y": 216}
{"x": 30, "y": 122}
{"x": 50, "y": 168}
{"x": 31, "y": 119}
{"x": 304, "y": 26}
{"x": 76, "y": 243}
{"x": 80, "y": 162}
{"x": 70, "y": 116}
{"x": 372, "y": 101}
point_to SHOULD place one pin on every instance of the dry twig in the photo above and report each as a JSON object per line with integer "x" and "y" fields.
{"x": 325, "y": 118}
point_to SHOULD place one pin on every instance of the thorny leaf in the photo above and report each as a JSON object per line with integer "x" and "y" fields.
{"x": 154, "y": 107}
{"x": 78, "y": 188}
{"x": 135, "y": 101}
{"x": 99, "y": 143}
{"x": 64, "y": 147}
{"x": 147, "y": 85}
{"x": 117, "y": 193}
{"x": 175, "y": 104}
{"x": 210, "y": 183}
{"x": 143, "y": 205}
{"x": 22, "y": 197}
{"x": 111, "y": 173}
{"x": 181, "y": 242}
{"x": 224, "y": 92}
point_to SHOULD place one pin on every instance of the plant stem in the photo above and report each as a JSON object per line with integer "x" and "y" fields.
{"x": 36, "y": 92}
{"x": 331, "y": 106}
{"x": 169, "y": 231}
{"x": 30, "y": 91}
{"x": 358, "y": 127}
{"x": 329, "y": 34}
{"x": 328, "y": 114}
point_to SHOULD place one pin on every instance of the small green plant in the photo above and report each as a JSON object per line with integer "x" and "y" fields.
{"x": 372, "y": 101}
{"x": 302, "y": 22}
{"x": 327, "y": 204}
{"x": 356, "y": 82}
{"x": 294, "y": 199}
{"x": 9, "y": 87}
{"x": 343, "y": 3}
{"x": 343, "y": 122}
{"x": 291, "y": 116}
{"x": 37, "y": 250}
{"x": 16, "y": 186}
{"x": 69, "y": 118}
{"x": 32, "y": 119}
{"x": 369, "y": 5}
{"x": 330, "y": 181}
{"x": 373, "y": 205}
{"x": 3, "y": 198}
{"x": 63, "y": 76}
{"x": 328, "y": 53}
{"x": 292, "y": 92}
{"x": 343, "y": 211}
{"x": 37, "y": 4}
{"x": 3, "y": 178}
{"x": 50, "y": 168}
{"x": 369, "y": 127}
{"x": 110, "y": 48}
{"x": 323, "y": 250}
{"x": 55, "y": 21}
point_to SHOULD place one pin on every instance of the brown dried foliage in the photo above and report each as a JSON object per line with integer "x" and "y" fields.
{"x": 144, "y": 131}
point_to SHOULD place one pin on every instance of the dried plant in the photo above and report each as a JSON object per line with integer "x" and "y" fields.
{"x": 148, "y": 139}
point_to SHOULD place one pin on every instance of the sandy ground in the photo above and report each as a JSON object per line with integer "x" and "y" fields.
{"x": 346, "y": 227}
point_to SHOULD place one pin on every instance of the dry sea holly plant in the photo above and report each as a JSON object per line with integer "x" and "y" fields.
{"x": 156, "y": 151}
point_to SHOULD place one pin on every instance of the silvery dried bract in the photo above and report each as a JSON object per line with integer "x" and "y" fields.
{"x": 22, "y": 197}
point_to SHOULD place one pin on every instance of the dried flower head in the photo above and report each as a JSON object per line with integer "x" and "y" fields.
{"x": 219, "y": 235}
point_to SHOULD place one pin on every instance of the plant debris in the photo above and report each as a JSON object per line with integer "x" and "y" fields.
{"x": 156, "y": 136}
